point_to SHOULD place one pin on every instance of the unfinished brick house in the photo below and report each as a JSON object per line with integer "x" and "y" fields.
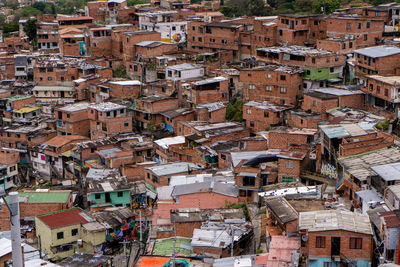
{"x": 147, "y": 109}
{"x": 320, "y": 66}
{"x": 362, "y": 32}
{"x": 273, "y": 83}
{"x": 296, "y": 29}
{"x": 376, "y": 60}
{"x": 260, "y": 116}
{"x": 205, "y": 91}
{"x": 216, "y": 36}
{"x": 108, "y": 119}
{"x": 73, "y": 119}
{"x": 351, "y": 243}
{"x": 382, "y": 95}
{"x": 208, "y": 133}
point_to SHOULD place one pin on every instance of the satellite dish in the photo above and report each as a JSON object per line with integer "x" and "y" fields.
{"x": 304, "y": 238}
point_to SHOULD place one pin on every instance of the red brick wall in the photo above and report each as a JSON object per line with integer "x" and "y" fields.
{"x": 259, "y": 78}
{"x": 318, "y": 105}
{"x": 364, "y": 253}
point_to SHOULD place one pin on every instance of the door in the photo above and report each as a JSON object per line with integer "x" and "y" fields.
{"x": 335, "y": 247}
{"x": 108, "y": 199}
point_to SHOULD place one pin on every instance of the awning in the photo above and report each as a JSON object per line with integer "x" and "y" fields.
{"x": 251, "y": 174}
{"x": 151, "y": 194}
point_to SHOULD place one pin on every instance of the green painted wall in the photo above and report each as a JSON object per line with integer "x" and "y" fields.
{"x": 319, "y": 74}
{"x": 125, "y": 199}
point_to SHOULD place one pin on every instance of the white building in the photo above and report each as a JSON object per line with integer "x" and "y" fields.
{"x": 184, "y": 71}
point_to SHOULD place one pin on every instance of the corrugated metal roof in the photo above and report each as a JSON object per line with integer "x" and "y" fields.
{"x": 328, "y": 220}
{"x": 378, "y": 51}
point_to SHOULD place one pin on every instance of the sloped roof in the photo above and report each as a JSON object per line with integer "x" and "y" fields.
{"x": 61, "y": 140}
{"x": 65, "y": 218}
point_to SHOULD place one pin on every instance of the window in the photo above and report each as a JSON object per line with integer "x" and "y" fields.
{"x": 193, "y": 28}
{"x": 268, "y": 88}
{"x": 371, "y": 87}
{"x": 268, "y": 76}
{"x": 283, "y": 77}
{"x": 49, "y": 78}
{"x": 60, "y": 235}
{"x": 173, "y": 28}
{"x": 287, "y": 179}
{"x": 74, "y": 232}
{"x": 348, "y": 26}
{"x": 289, "y": 164}
{"x": 248, "y": 111}
{"x": 355, "y": 243}
{"x": 249, "y": 74}
{"x": 368, "y": 25}
{"x": 378, "y": 89}
{"x": 283, "y": 90}
{"x": 12, "y": 168}
{"x": 126, "y": 124}
{"x": 320, "y": 242}
{"x": 248, "y": 181}
{"x": 359, "y": 26}
{"x": 252, "y": 86}
{"x": 365, "y": 37}
{"x": 327, "y": 264}
{"x": 332, "y": 69}
{"x": 386, "y": 92}
{"x": 97, "y": 196}
{"x": 120, "y": 194}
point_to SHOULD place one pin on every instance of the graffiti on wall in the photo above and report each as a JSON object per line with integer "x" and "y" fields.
{"x": 328, "y": 170}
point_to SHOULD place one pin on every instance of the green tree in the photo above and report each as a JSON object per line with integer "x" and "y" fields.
{"x": 10, "y": 27}
{"x": 234, "y": 112}
{"x": 326, "y": 6}
{"x": 2, "y": 19}
{"x": 137, "y": 2}
{"x": 29, "y": 11}
{"x": 231, "y": 11}
{"x": 120, "y": 72}
{"x": 258, "y": 8}
{"x": 30, "y": 29}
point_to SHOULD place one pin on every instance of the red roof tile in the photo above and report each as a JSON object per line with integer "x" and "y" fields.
{"x": 64, "y": 218}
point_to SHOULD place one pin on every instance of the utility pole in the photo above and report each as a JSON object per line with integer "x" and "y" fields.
{"x": 125, "y": 258}
{"x": 15, "y": 229}
{"x": 232, "y": 240}
{"x": 140, "y": 225}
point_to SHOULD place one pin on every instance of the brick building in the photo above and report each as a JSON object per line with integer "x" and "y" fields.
{"x": 208, "y": 133}
{"x": 108, "y": 119}
{"x": 73, "y": 119}
{"x": 273, "y": 83}
{"x": 33, "y": 203}
{"x": 149, "y": 108}
{"x": 376, "y": 60}
{"x": 362, "y": 31}
{"x": 159, "y": 175}
{"x": 205, "y": 91}
{"x": 382, "y": 95}
{"x": 259, "y": 116}
{"x": 216, "y": 36}
{"x": 320, "y": 66}
{"x": 296, "y": 29}
{"x": 347, "y": 237}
